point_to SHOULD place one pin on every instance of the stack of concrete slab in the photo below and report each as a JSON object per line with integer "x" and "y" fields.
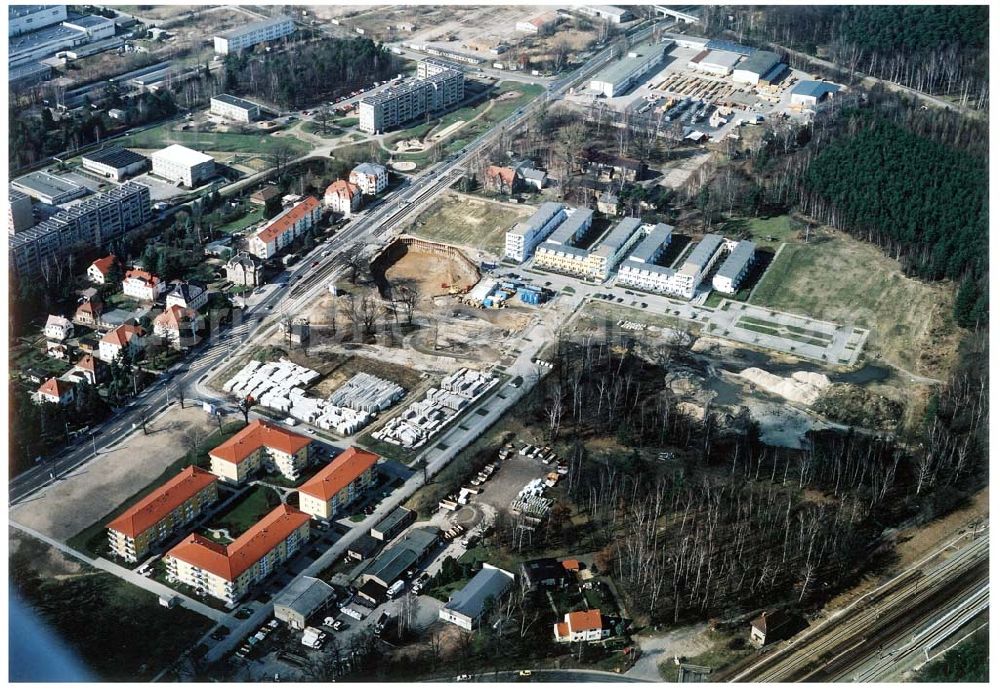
{"x": 468, "y": 383}
{"x": 343, "y": 420}
{"x": 364, "y": 392}
{"x": 257, "y": 378}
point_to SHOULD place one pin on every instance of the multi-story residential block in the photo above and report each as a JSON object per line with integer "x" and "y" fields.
{"x": 588, "y": 625}
{"x": 284, "y": 228}
{"x": 92, "y": 223}
{"x": 249, "y": 35}
{"x": 605, "y": 256}
{"x": 115, "y": 163}
{"x": 162, "y": 512}
{"x": 371, "y": 178}
{"x": 735, "y": 268}
{"x": 641, "y": 270}
{"x": 228, "y": 572}
{"x": 339, "y": 484}
{"x": 441, "y": 87}
{"x": 234, "y": 108}
{"x": 523, "y": 238}
{"x": 19, "y": 211}
{"x": 126, "y": 338}
{"x": 343, "y": 197}
{"x": 182, "y": 165}
{"x": 58, "y": 328}
{"x": 559, "y": 252}
{"x": 142, "y": 285}
{"x": 260, "y": 444}
{"x": 55, "y": 391}
{"x": 697, "y": 265}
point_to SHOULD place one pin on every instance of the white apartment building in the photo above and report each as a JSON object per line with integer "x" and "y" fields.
{"x": 523, "y": 238}
{"x": 735, "y": 268}
{"x": 180, "y": 164}
{"x": 284, "y": 228}
{"x": 142, "y": 285}
{"x": 233, "y": 108}
{"x": 371, "y": 178}
{"x": 441, "y": 88}
{"x": 242, "y": 37}
{"x": 343, "y": 197}
{"x": 640, "y": 270}
{"x": 698, "y": 263}
{"x": 19, "y": 214}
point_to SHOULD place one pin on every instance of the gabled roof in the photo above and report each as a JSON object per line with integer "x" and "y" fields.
{"x": 142, "y": 275}
{"x": 55, "y": 387}
{"x": 122, "y": 335}
{"x": 176, "y": 316}
{"x": 814, "y": 88}
{"x": 188, "y": 290}
{"x": 287, "y": 219}
{"x": 584, "y": 621}
{"x": 230, "y": 561}
{"x": 505, "y": 174}
{"x": 88, "y": 363}
{"x": 92, "y": 306}
{"x": 490, "y": 582}
{"x": 158, "y": 504}
{"x": 340, "y": 473}
{"x": 58, "y": 320}
{"x": 255, "y": 435}
{"x": 342, "y": 188}
{"x": 368, "y": 169}
{"x": 104, "y": 264}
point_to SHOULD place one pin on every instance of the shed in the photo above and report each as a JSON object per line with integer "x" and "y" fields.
{"x": 467, "y": 606}
{"x": 303, "y": 598}
{"x": 364, "y": 547}
{"x": 393, "y": 524}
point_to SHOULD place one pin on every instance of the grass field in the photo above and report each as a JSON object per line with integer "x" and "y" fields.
{"x": 255, "y": 215}
{"x": 470, "y": 222}
{"x": 117, "y": 630}
{"x": 247, "y": 511}
{"x": 839, "y": 279}
{"x": 159, "y": 137}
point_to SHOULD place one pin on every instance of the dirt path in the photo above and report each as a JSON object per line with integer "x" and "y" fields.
{"x": 687, "y": 641}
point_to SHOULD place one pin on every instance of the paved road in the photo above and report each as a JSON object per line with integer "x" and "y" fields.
{"x": 565, "y": 676}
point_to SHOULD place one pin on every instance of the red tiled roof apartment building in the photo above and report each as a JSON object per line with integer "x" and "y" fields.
{"x": 284, "y": 228}
{"x": 339, "y": 484}
{"x": 260, "y": 444}
{"x": 162, "y": 512}
{"x": 228, "y": 572}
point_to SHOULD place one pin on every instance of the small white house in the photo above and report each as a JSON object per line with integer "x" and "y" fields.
{"x": 58, "y": 328}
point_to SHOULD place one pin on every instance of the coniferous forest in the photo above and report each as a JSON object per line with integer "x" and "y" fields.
{"x": 919, "y": 200}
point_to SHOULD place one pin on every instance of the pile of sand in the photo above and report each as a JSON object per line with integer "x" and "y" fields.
{"x": 801, "y": 387}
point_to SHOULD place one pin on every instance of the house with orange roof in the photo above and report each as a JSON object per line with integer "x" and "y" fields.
{"x": 178, "y": 326}
{"x": 339, "y": 484}
{"x": 343, "y": 197}
{"x": 260, "y": 444}
{"x": 161, "y": 513}
{"x": 56, "y": 391}
{"x": 89, "y": 312}
{"x": 99, "y": 269}
{"x": 88, "y": 369}
{"x": 588, "y": 625}
{"x": 228, "y": 572}
{"x": 500, "y": 179}
{"x": 283, "y": 229}
{"x": 142, "y": 285}
{"x": 127, "y": 337}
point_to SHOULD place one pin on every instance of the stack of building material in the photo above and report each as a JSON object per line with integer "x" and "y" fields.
{"x": 367, "y": 393}
{"x": 468, "y": 383}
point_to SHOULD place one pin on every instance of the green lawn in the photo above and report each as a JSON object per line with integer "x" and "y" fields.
{"x": 118, "y": 630}
{"x": 470, "y": 222}
{"x": 246, "y": 511}
{"x": 256, "y": 215}
{"x": 161, "y": 136}
{"x": 314, "y": 128}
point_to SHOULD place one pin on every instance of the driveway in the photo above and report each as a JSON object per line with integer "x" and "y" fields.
{"x": 683, "y": 642}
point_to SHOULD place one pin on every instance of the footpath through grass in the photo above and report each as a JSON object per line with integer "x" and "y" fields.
{"x": 247, "y": 511}
{"x": 164, "y": 135}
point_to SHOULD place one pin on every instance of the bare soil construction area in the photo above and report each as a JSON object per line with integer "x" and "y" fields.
{"x": 430, "y": 268}
{"x": 91, "y": 492}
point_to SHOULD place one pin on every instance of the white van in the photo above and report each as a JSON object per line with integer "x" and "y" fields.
{"x": 395, "y": 589}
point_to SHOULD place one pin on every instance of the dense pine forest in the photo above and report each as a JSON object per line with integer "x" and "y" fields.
{"x": 919, "y": 200}
{"x": 296, "y": 78}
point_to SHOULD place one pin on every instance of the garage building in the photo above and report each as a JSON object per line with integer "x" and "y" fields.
{"x": 115, "y": 163}
{"x": 304, "y": 597}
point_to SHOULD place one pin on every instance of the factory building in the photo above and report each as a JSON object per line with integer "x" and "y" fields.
{"x": 94, "y": 27}
{"x": 19, "y": 214}
{"x": 441, "y": 88}
{"x": 48, "y": 188}
{"x": 182, "y": 165}
{"x": 718, "y": 62}
{"x": 243, "y": 37}
{"x": 811, "y": 93}
{"x": 233, "y": 108}
{"x": 27, "y": 75}
{"x": 729, "y": 278}
{"x": 94, "y": 223}
{"x": 615, "y": 15}
{"x": 24, "y": 18}
{"x": 115, "y": 163}
{"x": 539, "y": 24}
{"x": 629, "y": 70}
{"x": 762, "y": 65}
{"x": 522, "y": 239}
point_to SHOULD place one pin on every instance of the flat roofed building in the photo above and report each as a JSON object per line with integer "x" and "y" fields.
{"x": 719, "y": 62}
{"x": 43, "y": 43}
{"x": 393, "y": 524}
{"x": 758, "y": 65}
{"x": 404, "y": 556}
{"x": 227, "y": 572}
{"x": 342, "y": 482}
{"x": 441, "y": 88}
{"x": 27, "y": 75}
{"x": 615, "y": 15}
{"x": 162, "y": 512}
{"x": 234, "y": 108}
{"x": 735, "y": 268}
{"x": 629, "y": 70}
{"x": 48, "y": 188}
{"x": 466, "y": 607}
{"x": 613, "y": 247}
{"x": 19, "y": 211}
{"x": 24, "y": 18}
{"x": 260, "y": 444}
{"x": 364, "y": 547}
{"x": 249, "y": 35}
{"x": 115, "y": 163}
{"x": 97, "y": 28}
{"x": 303, "y": 598}
{"x": 544, "y": 573}
{"x": 180, "y": 164}
{"x": 523, "y": 238}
